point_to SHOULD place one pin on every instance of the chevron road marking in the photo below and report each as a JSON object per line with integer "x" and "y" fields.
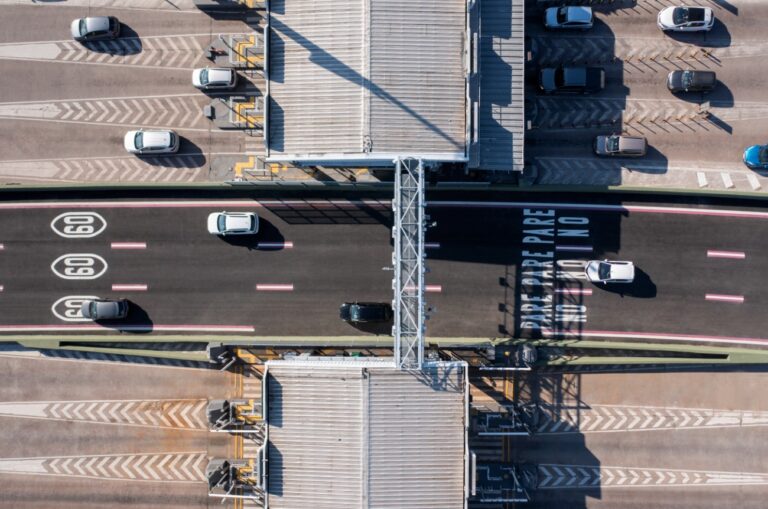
{"x": 184, "y": 467}
{"x": 586, "y": 477}
{"x": 620, "y": 418}
{"x": 170, "y": 413}
{"x": 140, "y": 111}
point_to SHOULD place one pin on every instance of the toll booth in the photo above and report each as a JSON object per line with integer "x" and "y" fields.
{"x": 238, "y": 51}
{"x": 509, "y": 420}
{"x": 236, "y": 478}
{"x": 235, "y": 415}
{"x": 496, "y": 483}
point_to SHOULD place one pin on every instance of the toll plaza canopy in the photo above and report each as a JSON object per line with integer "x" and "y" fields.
{"x": 349, "y": 433}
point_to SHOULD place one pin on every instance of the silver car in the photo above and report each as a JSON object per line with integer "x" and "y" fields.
{"x": 214, "y": 78}
{"x": 95, "y": 28}
{"x": 151, "y": 142}
{"x": 233, "y": 223}
{"x": 620, "y": 145}
{"x": 105, "y": 309}
{"x": 568, "y": 16}
{"x": 610, "y": 271}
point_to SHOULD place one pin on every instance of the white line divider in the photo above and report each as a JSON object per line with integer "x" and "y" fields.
{"x": 574, "y": 291}
{"x": 129, "y": 245}
{"x": 431, "y": 245}
{"x": 736, "y": 255}
{"x": 2, "y": 288}
{"x": 275, "y": 245}
{"x": 737, "y": 299}
{"x": 148, "y": 328}
{"x": 584, "y": 249}
{"x": 129, "y": 288}
{"x": 427, "y": 288}
{"x": 265, "y": 287}
{"x": 2, "y": 247}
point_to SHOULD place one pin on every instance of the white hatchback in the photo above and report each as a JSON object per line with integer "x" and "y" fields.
{"x": 686, "y": 19}
{"x": 233, "y": 223}
{"x": 151, "y": 142}
{"x": 214, "y": 79}
{"x": 610, "y": 271}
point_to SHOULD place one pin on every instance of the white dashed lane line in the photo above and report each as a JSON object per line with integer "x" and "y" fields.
{"x": 736, "y": 255}
{"x": 735, "y": 299}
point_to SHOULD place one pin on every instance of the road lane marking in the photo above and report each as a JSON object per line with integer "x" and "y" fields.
{"x": 2, "y": 288}
{"x": 133, "y": 328}
{"x": 736, "y": 299}
{"x": 2, "y": 247}
{"x": 736, "y": 255}
{"x": 427, "y": 288}
{"x": 574, "y": 248}
{"x": 128, "y": 245}
{"x": 654, "y": 335}
{"x": 129, "y": 288}
{"x": 432, "y": 245}
{"x": 136, "y": 204}
{"x": 574, "y": 291}
{"x": 266, "y": 287}
{"x": 275, "y": 245}
{"x": 648, "y": 209}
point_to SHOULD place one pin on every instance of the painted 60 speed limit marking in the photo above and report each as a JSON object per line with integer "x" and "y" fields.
{"x": 78, "y": 225}
{"x": 68, "y": 308}
{"x": 79, "y": 266}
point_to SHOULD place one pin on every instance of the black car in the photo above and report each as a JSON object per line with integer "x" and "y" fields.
{"x": 360, "y": 312}
{"x": 571, "y": 80}
{"x": 691, "y": 81}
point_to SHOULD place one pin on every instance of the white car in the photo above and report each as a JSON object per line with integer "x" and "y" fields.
{"x": 212, "y": 79}
{"x": 233, "y": 223}
{"x": 570, "y": 16}
{"x": 151, "y": 142}
{"x": 610, "y": 271}
{"x": 686, "y": 19}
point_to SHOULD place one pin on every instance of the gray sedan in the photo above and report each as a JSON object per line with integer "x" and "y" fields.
{"x": 95, "y": 28}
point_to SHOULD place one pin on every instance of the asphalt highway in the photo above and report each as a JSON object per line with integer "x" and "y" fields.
{"x": 495, "y": 269}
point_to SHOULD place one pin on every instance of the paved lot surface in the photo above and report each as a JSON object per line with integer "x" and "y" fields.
{"x": 639, "y": 439}
{"x": 496, "y": 268}
{"x": 79, "y": 433}
{"x": 688, "y": 149}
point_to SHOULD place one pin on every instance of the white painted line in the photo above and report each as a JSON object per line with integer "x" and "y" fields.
{"x": 129, "y": 245}
{"x": 736, "y": 255}
{"x": 701, "y": 177}
{"x": 584, "y": 249}
{"x": 427, "y": 288}
{"x": 431, "y": 245}
{"x": 129, "y": 288}
{"x": 753, "y": 182}
{"x": 274, "y": 287}
{"x": 148, "y": 328}
{"x": 727, "y": 182}
{"x": 2, "y": 247}
{"x": 736, "y": 299}
{"x": 574, "y": 291}
{"x": 275, "y": 245}
{"x": 2, "y": 288}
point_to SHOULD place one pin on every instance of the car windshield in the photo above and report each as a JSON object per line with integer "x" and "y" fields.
{"x": 604, "y": 270}
{"x": 559, "y": 77}
{"x": 138, "y": 141}
{"x": 222, "y": 223}
{"x": 613, "y": 144}
{"x": 92, "y": 309}
{"x": 253, "y": 223}
{"x": 562, "y": 15}
{"x": 762, "y": 156}
{"x": 687, "y": 79}
{"x": 83, "y": 28}
{"x": 680, "y": 15}
{"x": 204, "y": 76}
{"x": 171, "y": 140}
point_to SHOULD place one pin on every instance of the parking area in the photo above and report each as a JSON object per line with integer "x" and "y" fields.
{"x": 695, "y": 139}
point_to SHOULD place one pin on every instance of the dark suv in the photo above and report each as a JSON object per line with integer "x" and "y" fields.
{"x": 691, "y": 81}
{"x": 571, "y": 80}
{"x": 360, "y": 312}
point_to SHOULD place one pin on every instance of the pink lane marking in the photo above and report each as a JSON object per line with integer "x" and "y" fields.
{"x": 736, "y": 255}
{"x": 275, "y": 245}
{"x": 129, "y": 288}
{"x": 2, "y": 288}
{"x": 427, "y": 288}
{"x": 158, "y": 328}
{"x": 574, "y": 291}
{"x": 574, "y": 248}
{"x": 604, "y": 208}
{"x": 274, "y": 288}
{"x": 2, "y": 247}
{"x": 736, "y": 299}
{"x": 656, "y": 336}
{"x": 432, "y": 245}
{"x": 129, "y": 245}
{"x": 139, "y": 204}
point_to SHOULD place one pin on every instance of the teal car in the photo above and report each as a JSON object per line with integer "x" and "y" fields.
{"x": 756, "y": 157}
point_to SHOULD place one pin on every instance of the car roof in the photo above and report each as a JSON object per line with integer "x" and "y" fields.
{"x": 703, "y": 77}
{"x": 97, "y": 23}
{"x": 219, "y": 75}
{"x": 631, "y": 143}
{"x": 696, "y": 13}
{"x": 156, "y": 139}
{"x": 579, "y": 13}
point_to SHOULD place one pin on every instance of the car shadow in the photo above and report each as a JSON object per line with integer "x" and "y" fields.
{"x": 721, "y": 96}
{"x": 377, "y": 328}
{"x": 268, "y": 238}
{"x": 137, "y": 321}
{"x": 190, "y": 155}
{"x": 127, "y": 43}
{"x": 642, "y": 287}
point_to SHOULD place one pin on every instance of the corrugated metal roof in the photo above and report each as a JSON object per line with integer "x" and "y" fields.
{"x": 366, "y": 436}
{"x": 501, "y": 125}
{"x": 367, "y": 77}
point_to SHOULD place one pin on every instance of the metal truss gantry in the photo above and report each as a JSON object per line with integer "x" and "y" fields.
{"x": 408, "y": 261}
